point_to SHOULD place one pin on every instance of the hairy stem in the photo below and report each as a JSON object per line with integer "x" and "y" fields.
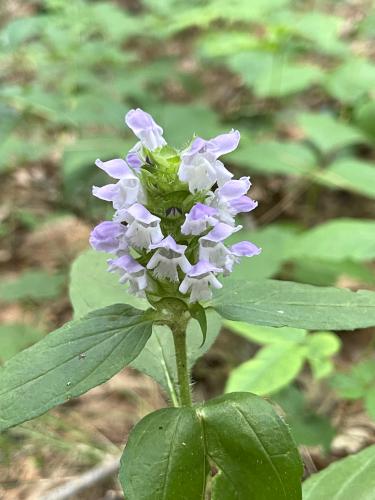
{"x": 179, "y": 338}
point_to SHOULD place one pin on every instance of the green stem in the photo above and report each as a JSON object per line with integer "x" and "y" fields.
{"x": 179, "y": 338}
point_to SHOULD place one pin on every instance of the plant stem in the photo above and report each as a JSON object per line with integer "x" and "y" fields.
{"x": 179, "y": 338}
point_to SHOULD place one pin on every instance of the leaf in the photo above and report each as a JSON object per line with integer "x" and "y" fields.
{"x": 322, "y": 29}
{"x": 245, "y": 438}
{"x": 16, "y": 336}
{"x": 351, "y": 80}
{"x": 357, "y": 382}
{"x": 224, "y": 43}
{"x": 284, "y": 303}
{"x": 327, "y": 272}
{"x": 370, "y": 402}
{"x": 274, "y": 241}
{"x": 365, "y": 118}
{"x": 92, "y": 287}
{"x": 265, "y": 335}
{"x": 351, "y": 174}
{"x": 307, "y": 427}
{"x": 321, "y": 346}
{"x": 337, "y": 240}
{"x": 349, "y": 478}
{"x": 31, "y": 285}
{"x": 198, "y": 312}
{"x": 274, "y": 157}
{"x": 272, "y": 368}
{"x": 171, "y": 447}
{"x": 271, "y": 75}
{"x": 328, "y": 133}
{"x": 240, "y": 434}
{"x": 70, "y": 361}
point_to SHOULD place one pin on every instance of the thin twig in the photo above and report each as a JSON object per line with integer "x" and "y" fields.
{"x": 87, "y": 480}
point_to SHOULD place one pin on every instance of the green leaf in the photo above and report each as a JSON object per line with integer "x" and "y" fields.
{"x": 16, "y": 336}
{"x": 357, "y": 382}
{"x": 352, "y": 80}
{"x": 93, "y": 287}
{"x": 272, "y": 368}
{"x": 284, "y": 303}
{"x": 351, "y": 174}
{"x": 349, "y": 478}
{"x": 198, "y": 312}
{"x": 337, "y": 240}
{"x": 240, "y": 434}
{"x": 365, "y": 118}
{"x": 265, "y": 335}
{"x": 326, "y": 272}
{"x": 320, "y": 347}
{"x": 307, "y": 427}
{"x": 321, "y": 28}
{"x": 70, "y": 361}
{"x": 328, "y": 133}
{"x": 225, "y": 43}
{"x": 165, "y": 458}
{"x": 274, "y": 157}
{"x": 370, "y": 402}
{"x": 270, "y": 75}
{"x": 31, "y": 285}
{"x": 245, "y": 438}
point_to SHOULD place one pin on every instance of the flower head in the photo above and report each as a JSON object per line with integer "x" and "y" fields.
{"x": 174, "y": 212}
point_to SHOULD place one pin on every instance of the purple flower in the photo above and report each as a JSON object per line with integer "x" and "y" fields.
{"x": 211, "y": 246}
{"x": 131, "y": 272}
{"x": 116, "y": 168}
{"x": 145, "y": 128}
{"x": 143, "y": 227}
{"x": 199, "y": 219}
{"x": 167, "y": 258}
{"x": 200, "y": 166}
{"x": 126, "y": 191}
{"x": 238, "y": 250}
{"x": 134, "y": 159}
{"x": 108, "y": 236}
{"x": 199, "y": 280}
{"x": 230, "y": 199}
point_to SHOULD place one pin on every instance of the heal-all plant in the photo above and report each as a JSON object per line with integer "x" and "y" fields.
{"x": 173, "y": 212}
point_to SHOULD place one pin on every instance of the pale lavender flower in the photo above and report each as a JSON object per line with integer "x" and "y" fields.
{"x": 126, "y": 191}
{"x": 108, "y": 236}
{"x": 211, "y": 246}
{"x": 145, "y": 128}
{"x": 199, "y": 219}
{"x": 199, "y": 280}
{"x": 136, "y": 158}
{"x": 238, "y": 250}
{"x": 131, "y": 272}
{"x": 230, "y": 199}
{"x": 200, "y": 166}
{"x": 143, "y": 227}
{"x": 167, "y": 258}
{"x": 116, "y": 168}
